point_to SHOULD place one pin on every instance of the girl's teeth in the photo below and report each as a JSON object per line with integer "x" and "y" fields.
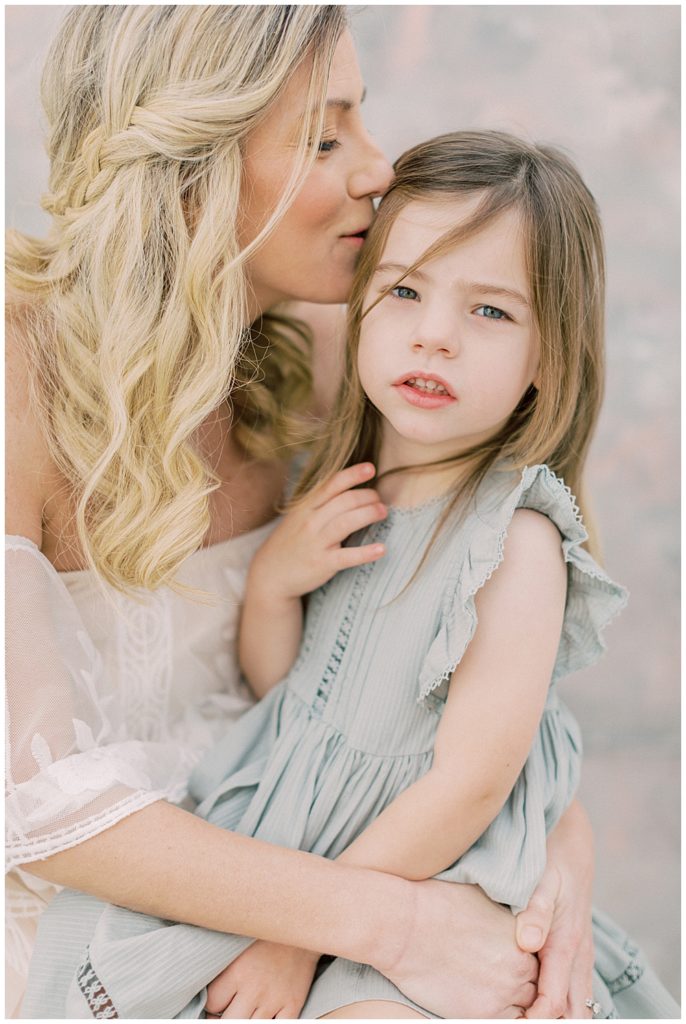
{"x": 427, "y": 385}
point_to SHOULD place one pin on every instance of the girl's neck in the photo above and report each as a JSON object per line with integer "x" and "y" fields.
{"x": 416, "y": 486}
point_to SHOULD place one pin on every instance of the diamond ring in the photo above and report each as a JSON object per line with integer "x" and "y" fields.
{"x": 595, "y": 1007}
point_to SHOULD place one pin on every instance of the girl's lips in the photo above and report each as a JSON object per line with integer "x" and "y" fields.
{"x": 423, "y": 399}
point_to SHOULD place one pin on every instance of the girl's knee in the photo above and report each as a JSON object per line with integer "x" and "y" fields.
{"x": 374, "y": 1009}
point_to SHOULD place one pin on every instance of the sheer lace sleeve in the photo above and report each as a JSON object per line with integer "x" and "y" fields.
{"x": 71, "y": 770}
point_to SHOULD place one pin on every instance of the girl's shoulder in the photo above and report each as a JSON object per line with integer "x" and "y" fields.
{"x": 593, "y": 599}
{"x": 505, "y": 489}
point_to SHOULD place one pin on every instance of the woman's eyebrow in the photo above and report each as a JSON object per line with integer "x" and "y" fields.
{"x": 345, "y": 105}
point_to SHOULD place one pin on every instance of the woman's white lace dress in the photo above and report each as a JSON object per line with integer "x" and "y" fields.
{"x": 110, "y": 701}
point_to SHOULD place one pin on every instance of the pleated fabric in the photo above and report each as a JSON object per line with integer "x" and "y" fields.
{"x": 350, "y": 728}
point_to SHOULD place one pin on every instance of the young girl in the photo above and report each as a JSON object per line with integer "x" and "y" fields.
{"x": 415, "y": 726}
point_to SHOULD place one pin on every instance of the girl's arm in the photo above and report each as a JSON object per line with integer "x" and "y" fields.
{"x": 303, "y": 552}
{"x": 494, "y": 706}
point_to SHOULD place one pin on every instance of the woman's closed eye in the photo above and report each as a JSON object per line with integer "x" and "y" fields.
{"x": 492, "y": 313}
{"x": 328, "y": 145}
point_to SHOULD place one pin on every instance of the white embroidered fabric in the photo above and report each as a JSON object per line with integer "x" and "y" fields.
{"x": 110, "y": 700}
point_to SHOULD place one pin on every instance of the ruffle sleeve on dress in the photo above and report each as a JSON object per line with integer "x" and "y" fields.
{"x": 71, "y": 772}
{"x": 593, "y": 599}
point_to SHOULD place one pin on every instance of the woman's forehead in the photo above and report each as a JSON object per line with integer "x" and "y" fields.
{"x": 345, "y": 90}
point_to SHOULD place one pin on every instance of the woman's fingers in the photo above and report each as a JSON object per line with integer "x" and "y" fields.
{"x": 534, "y": 923}
{"x": 581, "y": 982}
{"x": 553, "y": 983}
{"x": 527, "y": 995}
{"x": 241, "y": 1007}
{"x": 220, "y": 993}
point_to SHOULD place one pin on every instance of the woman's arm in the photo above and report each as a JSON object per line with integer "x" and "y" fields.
{"x": 494, "y": 706}
{"x": 445, "y": 945}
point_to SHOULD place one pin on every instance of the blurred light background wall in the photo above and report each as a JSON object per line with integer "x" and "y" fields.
{"x": 602, "y": 82}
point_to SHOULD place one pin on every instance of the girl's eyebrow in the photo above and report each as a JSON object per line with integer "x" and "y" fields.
{"x": 494, "y": 289}
{"x": 477, "y": 286}
{"x": 399, "y": 268}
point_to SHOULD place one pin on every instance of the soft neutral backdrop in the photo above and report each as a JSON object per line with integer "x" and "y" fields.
{"x": 601, "y": 81}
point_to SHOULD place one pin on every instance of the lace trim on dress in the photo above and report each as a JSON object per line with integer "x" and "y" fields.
{"x": 362, "y": 574}
{"x": 94, "y": 992}
{"x": 144, "y": 655}
{"x": 631, "y": 973}
{"x": 23, "y": 850}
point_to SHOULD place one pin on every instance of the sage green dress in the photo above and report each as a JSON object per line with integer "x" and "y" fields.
{"x": 352, "y": 726}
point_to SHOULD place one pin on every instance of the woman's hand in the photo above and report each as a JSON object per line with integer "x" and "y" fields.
{"x": 305, "y": 550}
{"x": 459, "y": 958}
{"x": 266, "y": 981}
{"x": 557, "y": 922}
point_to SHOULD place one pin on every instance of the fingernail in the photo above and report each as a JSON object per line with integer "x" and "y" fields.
{"x": 531, "y": 935}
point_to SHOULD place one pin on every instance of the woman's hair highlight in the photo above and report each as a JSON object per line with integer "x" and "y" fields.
{"x": 135, "y": 306}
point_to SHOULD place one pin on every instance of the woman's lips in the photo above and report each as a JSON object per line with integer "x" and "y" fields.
{"x": 356, "y": 240}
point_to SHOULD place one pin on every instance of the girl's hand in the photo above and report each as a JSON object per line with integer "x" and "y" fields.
{"x": 557, "y": 922}
{"x": 266, "y": 981}
{"x": 305, "y": 550}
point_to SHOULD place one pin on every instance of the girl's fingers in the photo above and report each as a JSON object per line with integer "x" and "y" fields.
{"x": 342, "y": 481}
{"x": 350, "y": 522}
{"x": 348, "y": 558}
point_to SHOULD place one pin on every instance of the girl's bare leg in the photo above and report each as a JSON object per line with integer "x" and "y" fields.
{"x": 374, "y": 1009}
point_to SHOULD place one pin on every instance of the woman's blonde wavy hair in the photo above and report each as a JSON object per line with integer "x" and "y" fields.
{"x": 135, "y": 305}
{"x": 553, "y": 424}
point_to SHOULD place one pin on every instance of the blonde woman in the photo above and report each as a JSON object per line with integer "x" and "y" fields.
{"x": 207, "y": 164}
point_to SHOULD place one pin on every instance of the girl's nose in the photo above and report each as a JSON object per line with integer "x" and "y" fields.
{"x": 435, "y": 340}
{"x": 372, "y": 174}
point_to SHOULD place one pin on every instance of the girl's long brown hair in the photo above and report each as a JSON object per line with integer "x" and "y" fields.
{"x": 553, "y": 424}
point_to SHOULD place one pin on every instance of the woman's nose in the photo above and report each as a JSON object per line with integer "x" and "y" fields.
{"x": 372, "y": 174}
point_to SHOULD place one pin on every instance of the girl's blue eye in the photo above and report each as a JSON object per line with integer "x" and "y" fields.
{"x": 491, "y": 313}
{"x": 328, "y": 145}
{"x": 401, "y": 291}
